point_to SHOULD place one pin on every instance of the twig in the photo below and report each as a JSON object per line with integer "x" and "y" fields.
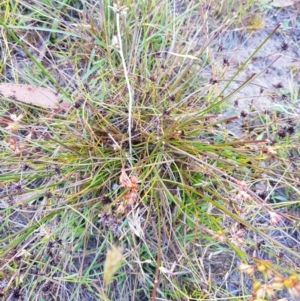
{"x": 156, "y": 277}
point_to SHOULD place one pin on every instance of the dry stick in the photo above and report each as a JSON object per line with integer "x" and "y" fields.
{"x": 156, "y": 277}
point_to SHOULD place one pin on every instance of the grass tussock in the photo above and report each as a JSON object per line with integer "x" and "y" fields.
{"x": 142, "y": 157}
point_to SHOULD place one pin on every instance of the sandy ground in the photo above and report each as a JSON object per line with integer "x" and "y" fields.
{"x": 275, "y": 68}
{"x": 276, "y": 65}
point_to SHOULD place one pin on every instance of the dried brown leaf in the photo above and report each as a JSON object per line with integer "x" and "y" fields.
{"x": 38, "y": 96}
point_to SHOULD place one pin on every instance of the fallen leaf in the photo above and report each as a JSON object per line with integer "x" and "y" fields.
{"x": 38, "y": 96}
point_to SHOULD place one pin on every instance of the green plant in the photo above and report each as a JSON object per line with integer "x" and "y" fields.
{"x": 142, "y": 158}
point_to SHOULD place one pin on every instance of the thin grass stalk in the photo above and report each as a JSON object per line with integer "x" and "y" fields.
{"x": 130, "y": 93}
